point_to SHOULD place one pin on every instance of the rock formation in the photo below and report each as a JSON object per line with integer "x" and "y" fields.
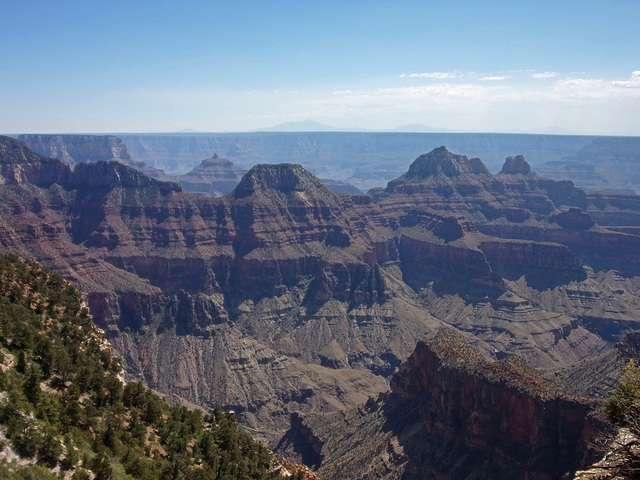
{"x": 19, "y": 165}
{"x": 453, "y": 415}
{"x": 213, "y": 177}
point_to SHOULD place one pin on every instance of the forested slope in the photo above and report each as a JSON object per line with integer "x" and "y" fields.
{"x": 65, "y": 410}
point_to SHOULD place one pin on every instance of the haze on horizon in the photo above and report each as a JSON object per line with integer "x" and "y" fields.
{"x": 498, "y": 66}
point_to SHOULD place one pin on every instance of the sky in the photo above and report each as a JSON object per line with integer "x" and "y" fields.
{"x": 88, "y": 66}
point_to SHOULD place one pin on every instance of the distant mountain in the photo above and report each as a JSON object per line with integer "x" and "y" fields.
{"x": 303, "y": 126}
{"x": 313, "y": 126}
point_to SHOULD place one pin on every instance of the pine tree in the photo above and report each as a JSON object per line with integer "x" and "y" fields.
{"x": 32, "y": 384}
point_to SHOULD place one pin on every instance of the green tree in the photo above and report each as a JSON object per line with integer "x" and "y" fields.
{"x": 101, "y": 467}
{"x": 32, "y": 384}
{"x": 623, "y": 407}
{"x": 21, "y": 363}
{"x": 623, "y": 410}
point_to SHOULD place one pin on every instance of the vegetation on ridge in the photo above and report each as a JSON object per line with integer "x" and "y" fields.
{"x": 64, "y": 409}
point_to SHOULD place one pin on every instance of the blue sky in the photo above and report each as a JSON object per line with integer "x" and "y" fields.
{"x": 493, "y": 66}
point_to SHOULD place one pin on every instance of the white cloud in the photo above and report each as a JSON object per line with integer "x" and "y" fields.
{"x": 431, "y": 75}
{"x": 544, "y": 75}
{"x": 633, "y": 82}
{"x": 590, "y": 88}
{"x": 494, "y": 78}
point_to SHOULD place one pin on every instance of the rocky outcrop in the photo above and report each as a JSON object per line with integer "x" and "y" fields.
{"x": 516, "y": 166}
{"x": 440, "y": 161}
{"x": 213, "y": 177}
{"x": 502, "y": 408}
{"x": 453, "y": 415}
{"x": 19, "y": 164}
{"x": 284, "y": 178}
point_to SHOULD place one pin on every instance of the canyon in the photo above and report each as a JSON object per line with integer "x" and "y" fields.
{"x": 283, "y": 298}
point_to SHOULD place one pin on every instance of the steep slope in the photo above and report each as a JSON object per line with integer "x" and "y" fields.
{"x": 453, "y": 415}
{"x": 284, "y": 296}
{"x": 64, "y": 405}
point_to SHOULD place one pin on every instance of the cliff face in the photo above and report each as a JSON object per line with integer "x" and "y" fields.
{"x": 19, "y": 164}
{"x": 75, "y": 149}
{"x": 453, "y": 415}
{"x": 502, "y": 408}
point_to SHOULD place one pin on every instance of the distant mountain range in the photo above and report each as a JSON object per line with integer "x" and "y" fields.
{"x": 313, "y": 126}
